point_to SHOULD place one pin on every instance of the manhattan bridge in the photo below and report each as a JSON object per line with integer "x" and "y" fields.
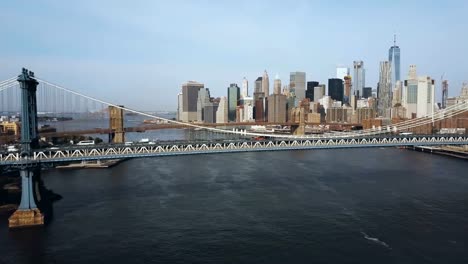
{"x": 31, "y": 96}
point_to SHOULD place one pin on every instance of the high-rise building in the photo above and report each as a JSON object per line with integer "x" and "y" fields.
{"x": 189, "y": 100}
{"x": 245, "y": 88}
{"x": 359, "y": 78}
{"x": 341, "y": 72}
{"x": 202, "y": 101}
{"x": 384, "y": 90}
{"x": 297, "y": 84}
{"x": 259, "y": 110}
{"x": 258, "y": 92}
{"x": 418, "y": 96}
{"x": 209, "y": 112}
{"x": 277, "y": 108}
{"x": 347, "y": 89}
{"x": 265, "y": 84}
{"x": 222, "y": 112}
{"x": 367, "y": 92}
{"x": 248, "y": 109}
{"x": 336, "y": 89}
{"x": 319, "y": 92}
{"x": 444, "y": 93}
{"x": 277, "y": 85}
{"x": 394, "y": 59}
{"x": 310, "y": 90}
{"x": 180, "y": 102}
{"x": 233, "y": 101}
{"x": 396, "y": 96}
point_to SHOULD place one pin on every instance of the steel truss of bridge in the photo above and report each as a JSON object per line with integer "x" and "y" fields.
{"x": 105, "y": 152}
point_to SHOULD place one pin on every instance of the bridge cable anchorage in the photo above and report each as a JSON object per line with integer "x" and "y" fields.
{"x": 439, "y": 115}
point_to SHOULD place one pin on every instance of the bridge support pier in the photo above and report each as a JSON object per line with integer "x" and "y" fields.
{"x": 298, "y": 130}
{"x": 27, "y": 214}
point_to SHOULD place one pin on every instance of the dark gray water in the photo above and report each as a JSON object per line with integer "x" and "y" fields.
{"x": 325, "y": 206}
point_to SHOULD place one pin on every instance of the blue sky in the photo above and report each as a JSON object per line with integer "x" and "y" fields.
{"x": 138, "y": 53}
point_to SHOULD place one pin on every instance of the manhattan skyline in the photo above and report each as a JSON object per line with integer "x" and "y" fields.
{"x": 147, "y": 50}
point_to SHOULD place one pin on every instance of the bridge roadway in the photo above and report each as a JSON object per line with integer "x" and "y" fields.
{"x": 147, "y": 127}
{"x": 172, "y": 148}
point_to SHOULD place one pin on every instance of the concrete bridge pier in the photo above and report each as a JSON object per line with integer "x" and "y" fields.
{"x": 298, "y": 130}
{"x": 28, "y": 214}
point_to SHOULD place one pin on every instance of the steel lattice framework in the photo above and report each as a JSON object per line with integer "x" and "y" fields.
{"x": 106, "y": 152}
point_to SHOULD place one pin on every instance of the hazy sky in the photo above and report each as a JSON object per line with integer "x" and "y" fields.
{"x": 138, "y": 53}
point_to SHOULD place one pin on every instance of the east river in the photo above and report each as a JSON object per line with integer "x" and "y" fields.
{"x": 320, "y": 206}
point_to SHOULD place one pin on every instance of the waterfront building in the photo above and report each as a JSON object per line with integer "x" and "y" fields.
{"x": 10, "y": 128}
{"x": 189, "y": 100}
{"x": 359, "y": 78}
{"x": 233, "y": 101}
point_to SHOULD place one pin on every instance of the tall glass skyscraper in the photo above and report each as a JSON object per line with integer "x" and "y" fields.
{"x": 359, "y": 78}
{"x": 394, "y": 59}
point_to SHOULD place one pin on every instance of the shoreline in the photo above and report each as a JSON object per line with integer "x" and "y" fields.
{"x": 454, "y": 152}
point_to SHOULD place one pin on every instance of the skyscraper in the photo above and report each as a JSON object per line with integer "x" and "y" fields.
{"x": 359, "y": 78}
{"x": 245, "y": 88}
{"x": 418, "y": 96}
{"x": 444, "y": 93}
{"x": 394, "y": 59}
{"x": 384, "y": 89}
{"x": 319, "y": 92}
{"x": 277, "y": 108}
{"x": 202, "y": 100}
{"x": 341, "y": 72}
{"x": 367, "y": 92}
{"x": 258, "y": 93}
{"x": 189, "y": 100}
{"x": 277, "y": 85}
{"x": 265, "y": 84}
{"x": 297, "y": 83}
{"x": 347, "y": 89}
{"x": 222, "y": 111}
{"x": 310, "y": 90}
{"x": 233, "y": 100}
{"x": 336, "y": 89}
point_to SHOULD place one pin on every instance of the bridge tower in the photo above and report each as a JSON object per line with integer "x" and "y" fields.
{"x": 116, "y": 124}
{"x": 28, "y": 214}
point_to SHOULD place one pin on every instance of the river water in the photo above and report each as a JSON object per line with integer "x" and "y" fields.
{"x": 323, "y": 206}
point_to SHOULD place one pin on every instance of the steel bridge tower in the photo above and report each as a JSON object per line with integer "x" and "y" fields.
{"x": 28, "y": 214}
